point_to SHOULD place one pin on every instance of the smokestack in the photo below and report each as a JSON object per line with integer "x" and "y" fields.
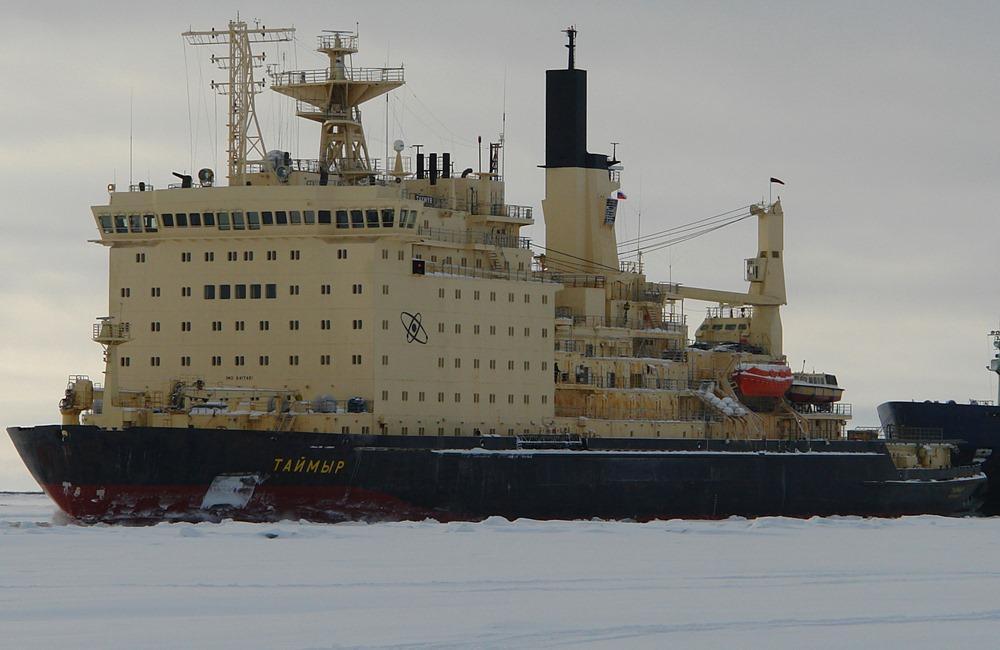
{"x": 420, "y": 165}
{"x": 446, "y": 165}
{"x": 433, "y": 163}
{"x": 566, "y": 116}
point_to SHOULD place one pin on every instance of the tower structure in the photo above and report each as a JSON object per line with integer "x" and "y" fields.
{"x": 246, "y": 144}
{"x": 333, "y": 97}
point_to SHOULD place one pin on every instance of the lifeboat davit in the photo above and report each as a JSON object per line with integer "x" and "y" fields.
{"x": 763, "y": 379}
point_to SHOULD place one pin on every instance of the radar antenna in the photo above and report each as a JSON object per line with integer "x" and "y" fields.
{"x": 246, "y": 144}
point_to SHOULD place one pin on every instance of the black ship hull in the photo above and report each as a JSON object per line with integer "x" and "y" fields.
{"x": 158, "y": 473}
{"x": 975, "y": 429}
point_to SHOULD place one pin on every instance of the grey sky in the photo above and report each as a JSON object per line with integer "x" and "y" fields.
{"x": 879, "y": 117}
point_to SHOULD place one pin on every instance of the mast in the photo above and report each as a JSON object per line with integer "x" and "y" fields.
{"x": 246, "y": 144}
{"x": 995, "y": 361}
{"x": 333, "y": 98}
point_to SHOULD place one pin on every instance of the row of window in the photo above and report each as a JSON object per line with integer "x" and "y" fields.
{"x": 254, "y": 220}
{"x": 233, "y": 256}
{"x": 475, "y": 363}
{"x": 404, "y": 396}
{"x": 326, "y": 360}
{"x": 326, "y": 324}
{"x": 240, "y": 360}
{"x": 254, "y": 291}
{"x": 493, "y": 296}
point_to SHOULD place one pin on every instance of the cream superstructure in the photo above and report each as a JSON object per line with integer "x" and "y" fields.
{"x": 331, "y": 295}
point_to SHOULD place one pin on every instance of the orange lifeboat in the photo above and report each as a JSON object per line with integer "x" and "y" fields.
{"x": 763, "y": 379}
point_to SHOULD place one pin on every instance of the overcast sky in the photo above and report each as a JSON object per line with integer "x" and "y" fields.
{"x": 880, "y": 117}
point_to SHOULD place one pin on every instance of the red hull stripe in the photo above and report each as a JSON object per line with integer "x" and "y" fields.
{"x": 331, "y": 503}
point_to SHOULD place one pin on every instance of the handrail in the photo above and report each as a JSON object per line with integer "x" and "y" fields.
{"x": 322, "y": 75}
{"x": 474, "y": 237}
{"x": 475, "y": 272}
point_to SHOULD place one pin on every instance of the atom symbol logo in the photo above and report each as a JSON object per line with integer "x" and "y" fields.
{"x": 415, "y": 331}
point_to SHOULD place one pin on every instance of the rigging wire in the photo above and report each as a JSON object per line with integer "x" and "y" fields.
{"x": 661, "y": 233}
{"x": 688, "y": 236}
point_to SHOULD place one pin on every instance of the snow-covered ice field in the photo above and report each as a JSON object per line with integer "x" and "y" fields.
{"x": 921, "y": 582}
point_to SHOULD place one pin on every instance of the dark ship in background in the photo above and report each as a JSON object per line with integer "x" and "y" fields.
{"x": 974, "y": 428}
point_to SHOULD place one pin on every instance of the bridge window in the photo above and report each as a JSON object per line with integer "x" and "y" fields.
{"x": 267, "y": 218}
{"x": 281, "y": 218}
{"x": 135, "y": 223}
{"x": 181, "y": 220}
{"x": 168, "y": 220}
{"x": 308, "y": 217}
{"x": 194, "y": 219}
{"x": 342, "y": 219}
{"x": 208, "y": 218}
{"x": 120, "y": 224}
{"x": 357, "y": 219}
{"x": 371, "y": 217}
{"x": 388, "y": 216}
{"x": 253, "y": 220}
{"x": 223, "y": 220}
{"x": 238, "y": 221}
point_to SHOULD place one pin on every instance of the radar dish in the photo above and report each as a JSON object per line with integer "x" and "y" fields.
{"x": 398, "y": 146}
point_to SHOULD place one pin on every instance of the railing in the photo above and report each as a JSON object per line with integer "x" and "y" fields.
{"x": 407, "y": 161}
{"x": 670, "y": 322}
{"x": 141, "y": 187}
{"x": 837, "y": 408}
{"x": 573, "y": 279}
{"x": 475, "y": 272}
{"x": 628, "y": 413}
{"x": 110, "y": 332}
{"x": 509, "y": 210}
{"x": 474, "y": 237}
{"x": 647, "y": 292}
{"x": 358, "y": 75}
{"x": 566, "y": 379}
{"x": 338, "y": 41}
{"x": 729, "y": 312}
{"x": 338, "y": 112}
{"x": 519, "y": 212}
{"x": 297, "y": 164}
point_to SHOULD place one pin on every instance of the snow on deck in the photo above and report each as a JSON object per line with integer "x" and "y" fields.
{"x": 919, "y": 582}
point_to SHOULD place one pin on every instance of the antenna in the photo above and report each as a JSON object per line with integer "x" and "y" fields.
{"x": 571, "y": 46}
{"x": 130, "y": 114}
{"x": 503, "y": 127}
